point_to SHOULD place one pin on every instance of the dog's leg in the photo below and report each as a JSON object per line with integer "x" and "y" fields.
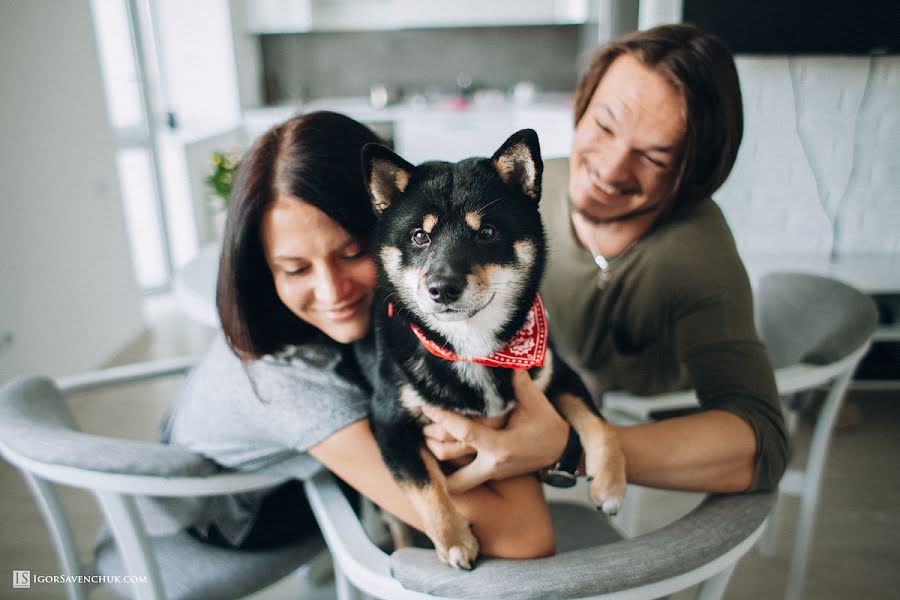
{"x": 448, "y": 529}
{"x": 604, "y": 461}
{"x": 419, "y": 475}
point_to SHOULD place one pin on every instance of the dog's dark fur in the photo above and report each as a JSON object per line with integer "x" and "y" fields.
{"x": 460, "y": 250}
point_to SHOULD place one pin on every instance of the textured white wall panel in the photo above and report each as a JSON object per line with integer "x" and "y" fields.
{"x": 821, "y": 145}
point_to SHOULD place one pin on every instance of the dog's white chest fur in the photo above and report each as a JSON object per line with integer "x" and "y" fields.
{"x": 479, "y": 377}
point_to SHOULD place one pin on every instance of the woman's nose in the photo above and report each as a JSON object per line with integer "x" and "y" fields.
{"x": 332, "y": 285}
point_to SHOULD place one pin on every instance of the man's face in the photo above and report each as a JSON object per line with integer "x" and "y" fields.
{"x": 626, "y": 146}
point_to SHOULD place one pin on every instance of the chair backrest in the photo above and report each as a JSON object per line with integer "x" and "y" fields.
{"x": 38, "y": 434}
{"x": 804, "y": 318}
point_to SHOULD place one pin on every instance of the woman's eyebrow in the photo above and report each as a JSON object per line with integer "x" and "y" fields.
{"x": 286, "y": 256}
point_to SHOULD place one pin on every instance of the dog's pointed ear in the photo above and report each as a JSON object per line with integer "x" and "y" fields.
{"x": 519, "y": 164}
{"x": 386, "y": 175}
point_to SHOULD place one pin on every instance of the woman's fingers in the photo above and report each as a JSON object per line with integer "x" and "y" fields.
{"x": 459, "y": 427}
{"x": 469, "y": 476}
{"x": 435, "y": 431}
{"x": 448, "y": 450}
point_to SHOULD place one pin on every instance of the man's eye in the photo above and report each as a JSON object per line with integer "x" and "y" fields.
{"x": 487, "y": 233}
{"x": 420, "y": 237}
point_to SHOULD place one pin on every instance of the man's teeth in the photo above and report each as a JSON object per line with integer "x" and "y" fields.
{"x": 604, "y": 187}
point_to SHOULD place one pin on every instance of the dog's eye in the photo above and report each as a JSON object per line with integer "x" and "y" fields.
{"x": 420, "y": 237}
{"x": 487, "y": 233}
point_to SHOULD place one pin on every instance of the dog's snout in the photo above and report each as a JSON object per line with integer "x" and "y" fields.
{"x": 445, "y": 289}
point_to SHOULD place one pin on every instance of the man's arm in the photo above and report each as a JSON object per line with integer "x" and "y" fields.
{"x": 711, "y": 451}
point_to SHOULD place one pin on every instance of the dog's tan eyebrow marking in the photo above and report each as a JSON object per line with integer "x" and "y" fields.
{"x": 429, "y": 222}
{"x": 474, "y": 220}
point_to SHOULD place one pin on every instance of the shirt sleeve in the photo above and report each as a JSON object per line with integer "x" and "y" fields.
{"x": 309, "y": 393}
{"x": 729, "y": 368}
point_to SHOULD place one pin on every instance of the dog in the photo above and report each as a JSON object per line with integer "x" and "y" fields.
{"x": 460, "y": 251}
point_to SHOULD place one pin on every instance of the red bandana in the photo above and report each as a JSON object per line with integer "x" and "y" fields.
{"x": 526, "y": 349}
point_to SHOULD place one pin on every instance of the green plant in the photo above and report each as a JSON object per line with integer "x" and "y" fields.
{"x": 219, "y": 182}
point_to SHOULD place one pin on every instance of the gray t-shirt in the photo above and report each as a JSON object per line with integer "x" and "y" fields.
{"x": 264, "y": 413}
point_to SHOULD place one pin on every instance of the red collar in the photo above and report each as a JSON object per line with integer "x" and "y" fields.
{"x": 526, "y": 349}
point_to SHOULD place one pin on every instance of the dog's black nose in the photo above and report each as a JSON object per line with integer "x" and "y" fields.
{"x": 445, "y": 290}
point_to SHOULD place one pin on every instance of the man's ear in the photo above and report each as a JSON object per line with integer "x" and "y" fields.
{"x": 386, "y": 175}
{"x": 519, "y": 164}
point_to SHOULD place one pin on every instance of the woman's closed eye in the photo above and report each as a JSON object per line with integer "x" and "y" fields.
{"x": 296, "y": 272}
{"x": 355, "y": 253}
{"x": 654, "y": 161}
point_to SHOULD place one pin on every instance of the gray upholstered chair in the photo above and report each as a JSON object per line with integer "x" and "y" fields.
{"x": 39, "y": 436}
{"x": 816, "y": 330}
{"x": 592, "y": 561}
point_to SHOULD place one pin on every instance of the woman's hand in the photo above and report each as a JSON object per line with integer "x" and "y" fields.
{"x": 534, "y": 436}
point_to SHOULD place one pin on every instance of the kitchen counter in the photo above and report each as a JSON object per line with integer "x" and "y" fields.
{"x": 446, "y": 129}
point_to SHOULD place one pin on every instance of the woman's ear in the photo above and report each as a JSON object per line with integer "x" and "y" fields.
{"x": 387, "y": 175}
{"x": 519, "y": 164}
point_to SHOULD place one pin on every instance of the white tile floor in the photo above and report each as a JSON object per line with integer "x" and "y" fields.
{"x": 856, "y": 550}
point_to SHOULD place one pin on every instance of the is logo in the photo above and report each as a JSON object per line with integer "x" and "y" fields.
{"x": 21, "y": 579}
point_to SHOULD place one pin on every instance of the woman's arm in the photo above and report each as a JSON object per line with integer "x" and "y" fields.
{"x": 498, "y": 511}
{"x": 712, "y": 451}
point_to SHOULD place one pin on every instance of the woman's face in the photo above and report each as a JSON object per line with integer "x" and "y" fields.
{"x": 626, "y": 146}
{"x": 322, "y": 274}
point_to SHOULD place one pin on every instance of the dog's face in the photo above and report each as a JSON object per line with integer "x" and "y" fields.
{"x": 460, "y": 243}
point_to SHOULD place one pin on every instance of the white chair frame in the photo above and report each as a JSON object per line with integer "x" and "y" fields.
{"x": 115, "y": 492}
{"x": 361, "y": 567}
{"x": 805, "y": 483}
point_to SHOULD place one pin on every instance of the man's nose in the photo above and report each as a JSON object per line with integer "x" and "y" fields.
{"x": 613, "y": 166}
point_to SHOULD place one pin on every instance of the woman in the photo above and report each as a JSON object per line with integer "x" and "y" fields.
{"x": 645, "y": 290}
{"x": 284, "y": 386}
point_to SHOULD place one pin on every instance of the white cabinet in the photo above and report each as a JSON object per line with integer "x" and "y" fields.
{"x": 285, "y": 16}
{"x": 445, "y": 135}
{"x": 278, "y": 16}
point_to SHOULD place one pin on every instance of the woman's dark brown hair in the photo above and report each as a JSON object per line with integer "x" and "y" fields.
{"x": 701, "y": 69}
{"x": 316, "y": 158}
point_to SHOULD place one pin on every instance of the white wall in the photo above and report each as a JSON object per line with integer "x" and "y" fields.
{"x": 821, "y": 145}
{"x": 197, "y": 53}
{"x": 68, "y": 297}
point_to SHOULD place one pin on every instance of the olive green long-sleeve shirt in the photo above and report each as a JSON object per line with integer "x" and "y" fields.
{"x": 675, "y": 312}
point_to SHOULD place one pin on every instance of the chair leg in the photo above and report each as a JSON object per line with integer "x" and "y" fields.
{"x": 812, "y": 484}
{"x": 345, "y": 590}
{"x": 123, "y": 518}
{"x": 767, "y": 545}
{"x": 60, "y": 530}
{"x": 714, "y": 587}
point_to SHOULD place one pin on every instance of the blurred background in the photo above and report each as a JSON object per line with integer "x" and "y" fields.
{"x": 113, "y": 111}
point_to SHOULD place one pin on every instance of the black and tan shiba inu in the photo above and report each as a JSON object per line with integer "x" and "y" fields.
{"x": 460, "y": 249}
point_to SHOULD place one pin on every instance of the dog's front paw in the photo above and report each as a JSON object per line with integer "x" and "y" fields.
{"x": 459, "y": 548}
{"x": 605, "y": 466}
{"x": 607, "y": 496}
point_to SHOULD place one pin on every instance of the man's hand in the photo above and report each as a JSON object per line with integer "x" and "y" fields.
{"x": 534, "y": 437}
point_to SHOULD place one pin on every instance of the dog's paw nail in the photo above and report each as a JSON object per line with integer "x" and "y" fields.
{"x": 457, "y": 557}
{"x": 610, "y": 506}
